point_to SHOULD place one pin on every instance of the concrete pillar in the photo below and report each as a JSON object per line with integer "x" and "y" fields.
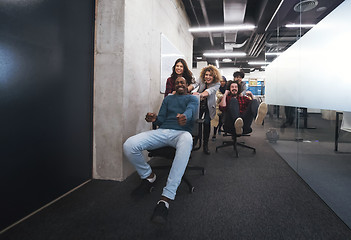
{"x": 127, "y": 73}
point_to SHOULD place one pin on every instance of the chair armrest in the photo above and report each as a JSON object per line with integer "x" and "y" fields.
{"x": 200, "y": 120}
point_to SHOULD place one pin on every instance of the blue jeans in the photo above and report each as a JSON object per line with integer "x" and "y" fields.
{"x": 153, "y": 139}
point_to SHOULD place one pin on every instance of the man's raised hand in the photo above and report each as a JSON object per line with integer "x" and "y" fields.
{"x": 181, "y": 119}
{"x": 151, "y": 117}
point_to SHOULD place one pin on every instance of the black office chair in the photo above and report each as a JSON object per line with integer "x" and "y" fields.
{"x": 169, "y": 152}
{"x": 234, "y": 142}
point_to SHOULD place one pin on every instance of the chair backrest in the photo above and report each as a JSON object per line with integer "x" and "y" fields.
{"x": 196, "y": 120}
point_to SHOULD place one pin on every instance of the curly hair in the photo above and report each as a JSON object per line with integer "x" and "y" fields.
{"x": 187, "y": 74}
{"x": 214, "y": 72}
{"x": 237, "y": 83}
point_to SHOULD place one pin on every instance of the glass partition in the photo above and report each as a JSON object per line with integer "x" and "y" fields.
{"x": 308, "y": 90}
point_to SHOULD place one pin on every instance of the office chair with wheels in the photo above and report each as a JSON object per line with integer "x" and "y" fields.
{"x": 169, "y": 152}
{"x": 229, "y": 129}
{"x": 235, "y": 143}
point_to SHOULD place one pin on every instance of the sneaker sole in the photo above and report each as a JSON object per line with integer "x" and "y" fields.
{"x": 262, "y": 112}
{"x": 239, "y": 126}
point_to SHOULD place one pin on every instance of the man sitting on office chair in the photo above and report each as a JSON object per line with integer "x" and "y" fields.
{"x": 175, "y": 122}
{"x": 240, "y": 110}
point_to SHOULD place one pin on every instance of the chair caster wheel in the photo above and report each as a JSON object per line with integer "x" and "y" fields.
{"x": 151, "y": 189}
{"x": 203, "y": 172}
{"x": 192, "y": 189}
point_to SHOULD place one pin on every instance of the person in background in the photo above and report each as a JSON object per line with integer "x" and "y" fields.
{"x": 240, "y": 110}
{"x": 175, "y": 120}
{"x": 217, "y": 122}
{"x": 179, "y": 69}
{"x": 239, "y": 76}
{"x": 208, "y": 84}
{"x": 289, "y": 116}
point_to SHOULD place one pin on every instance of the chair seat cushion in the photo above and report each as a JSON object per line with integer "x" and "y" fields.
{"x": 166, "y": 152}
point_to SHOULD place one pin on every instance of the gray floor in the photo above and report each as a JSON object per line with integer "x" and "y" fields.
{"x": 255, "y": 196}
{"x": 310, "y": 152}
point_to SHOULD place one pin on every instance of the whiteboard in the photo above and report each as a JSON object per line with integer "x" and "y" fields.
{"x": 169, "y": 54}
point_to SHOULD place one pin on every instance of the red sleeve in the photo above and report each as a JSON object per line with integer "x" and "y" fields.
{"x": 169, "y": 86}
{"x": 223, "y": 109}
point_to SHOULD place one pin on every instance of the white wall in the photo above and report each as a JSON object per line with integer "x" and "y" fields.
{"x": 127, "y": 73}
{"x": 314, "y": 72}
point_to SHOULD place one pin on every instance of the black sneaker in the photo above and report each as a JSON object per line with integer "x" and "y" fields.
{"x": 144, "y": 188}
{"x": 160, "y": 213}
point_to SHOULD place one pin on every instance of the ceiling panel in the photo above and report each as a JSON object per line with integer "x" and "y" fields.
{"x": 270, "y": 34}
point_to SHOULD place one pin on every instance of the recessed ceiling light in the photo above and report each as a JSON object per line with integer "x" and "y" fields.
{"x": 226, "y": 60}
{"x": 305, "y": 6}
{"x": 225, "y": 54}
{"x": 321, "y": 9}
{"x": 198, "y": 58}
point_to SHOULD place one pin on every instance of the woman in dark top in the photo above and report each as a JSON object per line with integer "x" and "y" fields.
{"x": 179, "y": 69}
{"x": 218, "y": 120}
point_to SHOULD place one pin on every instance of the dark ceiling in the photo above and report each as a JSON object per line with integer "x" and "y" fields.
{"x": 270, "y": 34}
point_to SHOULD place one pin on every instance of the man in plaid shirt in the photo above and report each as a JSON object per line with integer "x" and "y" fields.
{"x": 240, "y": 110}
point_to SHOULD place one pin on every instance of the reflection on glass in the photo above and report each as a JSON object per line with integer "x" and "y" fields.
{"x": 311, "y": 139}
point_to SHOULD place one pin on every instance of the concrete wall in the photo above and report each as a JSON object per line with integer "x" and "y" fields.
{"x": 127, "y": 73}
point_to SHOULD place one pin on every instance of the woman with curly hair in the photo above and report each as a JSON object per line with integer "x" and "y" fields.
{"x": 179, "y": 69}
{"x": 208, "y": 84}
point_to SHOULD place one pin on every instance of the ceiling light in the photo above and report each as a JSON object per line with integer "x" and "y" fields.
{"x": 217, "y": 63}
{"x": 225, "y": 54}
{"x": 198, "y": 58}
{"x": 321, "y": 9}
{"x": 300, "y": 25}
{"x": 226, "y": 60}
{"x": 259, "y": 63}
{"x": 226, "y": 28}
{"x": 269, "y": 23}
{"x": 306, "y": 5}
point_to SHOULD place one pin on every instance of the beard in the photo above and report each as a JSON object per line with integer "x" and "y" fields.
{"x": 233, "y": 94}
